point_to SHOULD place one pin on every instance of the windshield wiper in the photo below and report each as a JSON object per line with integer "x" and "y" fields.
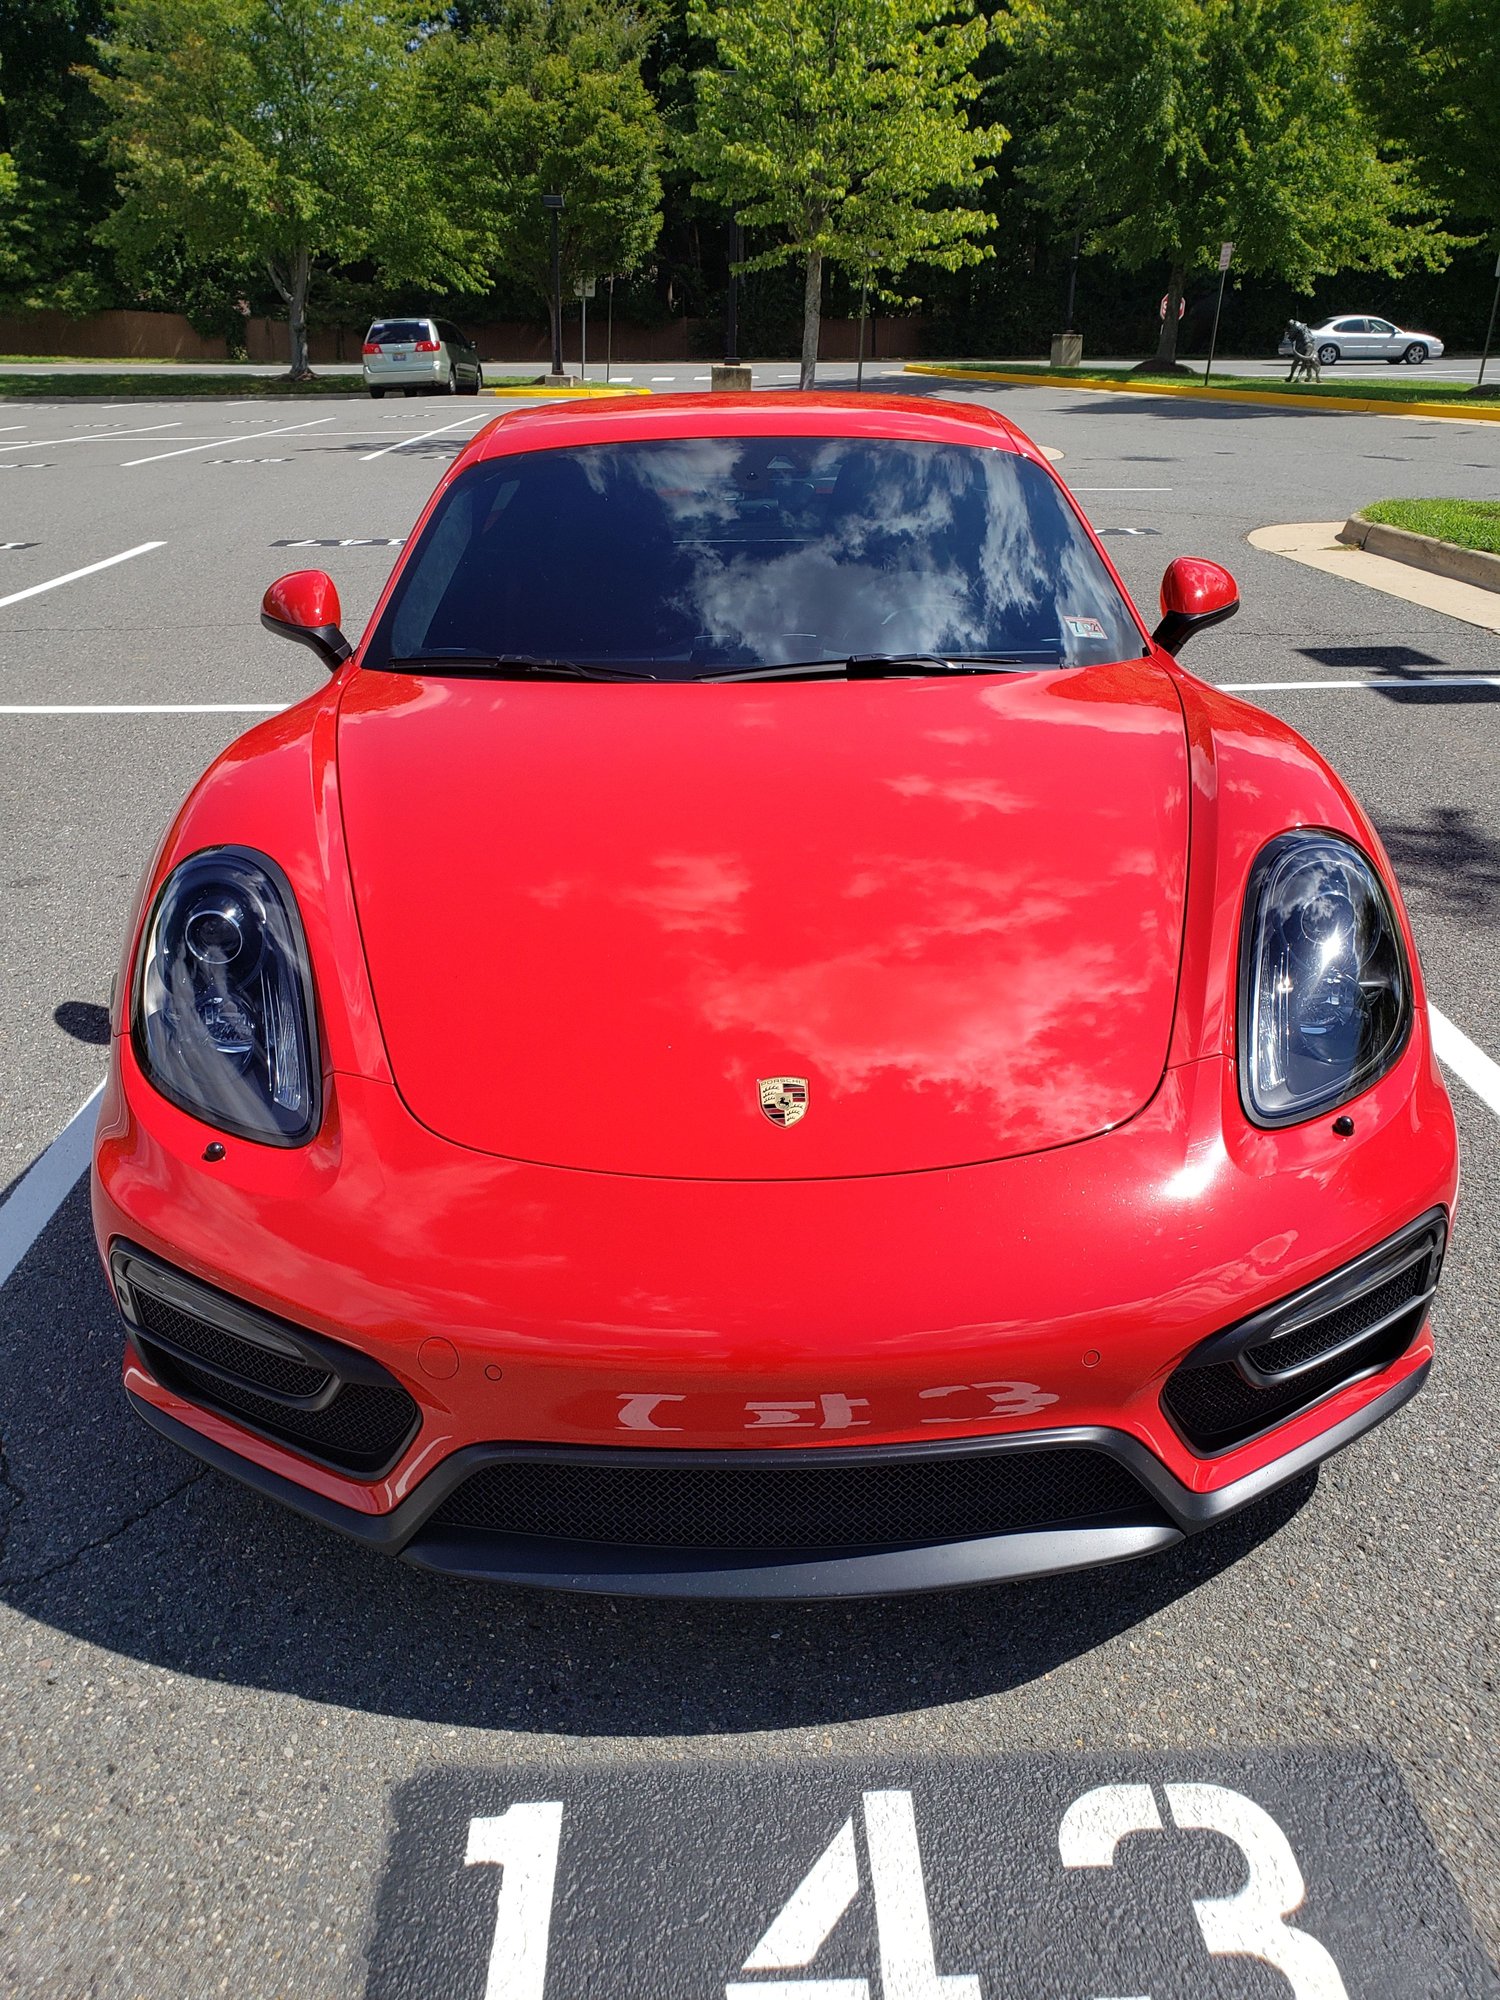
{"x": 891, "y": 666}
{"x": 507, "y": 666}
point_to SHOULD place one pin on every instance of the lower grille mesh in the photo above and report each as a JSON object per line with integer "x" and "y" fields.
{"x": 361, "y": 1429}
{"x": 954, "y": 1497}
{"x": 1321, "y": 1334}
{"x": 226, "y": 1350}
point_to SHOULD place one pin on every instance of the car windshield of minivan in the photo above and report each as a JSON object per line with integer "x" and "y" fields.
{"x": 701, "y": 558}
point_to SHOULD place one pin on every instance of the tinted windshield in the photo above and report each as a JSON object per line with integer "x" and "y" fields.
{"x": 681, "y": 556}
{"x": 386, "y": 330}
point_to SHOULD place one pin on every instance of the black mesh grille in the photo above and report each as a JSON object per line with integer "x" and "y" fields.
{"x": 226, "y": 1350}
{"x": 1340, "y": 1325}
{"x": 1216, "y": 1408}
{"x": 362, "y": 1429}
{"x": 954, "y": 1497}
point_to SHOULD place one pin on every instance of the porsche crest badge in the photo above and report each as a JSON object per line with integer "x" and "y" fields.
{"x": 783, "y": 1098}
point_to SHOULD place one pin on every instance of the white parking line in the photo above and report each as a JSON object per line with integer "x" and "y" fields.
{"x": 72, "y": 575}
{"x": 149, "y": 708}
{"x": 183, "y": 450}
{"x": 108, "y": 437}
{"x": 1381, "y": 681}
{"x": 400, "y": 444}
{"x": 48, "y": 1182}
{"x": 1466, "y": 1059}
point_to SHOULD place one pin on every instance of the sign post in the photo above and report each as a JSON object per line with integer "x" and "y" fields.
{"x": 584, "y": 287}
{"x": 1226, "y": 251}
{"x": 1490, "y": 329}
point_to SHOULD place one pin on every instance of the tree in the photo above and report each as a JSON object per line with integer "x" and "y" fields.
{"x": 280, "y": 130}
{"x": 842, "y": 125}
{"x": 547, "y": 96}
{"x": 1185, "y": 123}
{"x": 62, "y": 187}
{"x": 1430, "y": 69}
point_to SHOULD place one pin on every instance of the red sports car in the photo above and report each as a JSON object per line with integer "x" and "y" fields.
{"x": 761, "y": 1037}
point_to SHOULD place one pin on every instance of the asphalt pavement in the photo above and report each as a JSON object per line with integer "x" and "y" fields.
{"x": 243, "y": 1757}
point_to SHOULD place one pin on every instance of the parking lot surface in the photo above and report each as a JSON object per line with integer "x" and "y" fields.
{"x": 243, "y": 1757}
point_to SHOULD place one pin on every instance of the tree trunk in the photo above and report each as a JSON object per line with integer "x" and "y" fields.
{"x": 1166, "y": 346}
{"x": 290, "y": 280}
{"x": 812, "y": 318}
{"x": 297, "y": 316}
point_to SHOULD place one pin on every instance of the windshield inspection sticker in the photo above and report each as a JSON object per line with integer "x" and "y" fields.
{"x": 1274, "y": 1875}
{"x": 1083, "y": 628}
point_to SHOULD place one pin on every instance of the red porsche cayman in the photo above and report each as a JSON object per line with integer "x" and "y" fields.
{"x": 761, "y": 1037}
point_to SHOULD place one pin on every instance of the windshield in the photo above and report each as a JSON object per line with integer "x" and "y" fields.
{"x": 677, "y": 558}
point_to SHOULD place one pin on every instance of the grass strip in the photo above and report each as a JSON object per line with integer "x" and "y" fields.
{"x": 1372, "y": 389}
{"x": 68, "y": 385}
{"x": 1468, "y": 524}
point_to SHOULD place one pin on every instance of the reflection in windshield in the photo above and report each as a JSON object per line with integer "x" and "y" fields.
{"x": 686, "y": 556}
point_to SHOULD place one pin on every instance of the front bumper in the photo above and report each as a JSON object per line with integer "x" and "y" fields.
{"x": 533, "y": 1311}
{"x": 1168, "y": 1513}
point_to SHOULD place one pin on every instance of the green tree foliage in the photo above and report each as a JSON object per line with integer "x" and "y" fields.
{"x": 1430, "y": 70}
{"x": 61, "y": 188}
{"x": 283, "y": 131}
{"x": 547, "y": 95}
{"x": 1178, "y": 124}
{"x": 843, "y": 125}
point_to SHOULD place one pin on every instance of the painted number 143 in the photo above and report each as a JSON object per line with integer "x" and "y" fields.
{"x": 523, "y": 1843}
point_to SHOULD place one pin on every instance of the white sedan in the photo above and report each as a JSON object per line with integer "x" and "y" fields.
{"x": 1365, "y": 338}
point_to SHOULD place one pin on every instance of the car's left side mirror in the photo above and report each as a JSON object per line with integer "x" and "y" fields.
{"x": 305, "y": 606}
{"x": 1194, "y": 593}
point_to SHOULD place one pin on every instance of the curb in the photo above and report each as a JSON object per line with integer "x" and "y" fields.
{"x": 579, "y": 394}
{"x": 1195, "y": 392}
{"x": 1450, "y": 559}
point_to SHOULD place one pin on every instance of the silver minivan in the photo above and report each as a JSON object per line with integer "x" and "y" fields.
{"x": 422, "y": 356}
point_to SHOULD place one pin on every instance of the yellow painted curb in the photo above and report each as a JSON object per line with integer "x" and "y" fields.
{"x": 584, "y": 389}
{"x": 1365, "y": 405}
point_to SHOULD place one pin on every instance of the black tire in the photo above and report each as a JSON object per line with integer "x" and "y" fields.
{"x": 452, "y": 388}
{"x": 1328, "y": 354}
{"x": 478, "y": 382}
{"x": 1414, "y": 355}
{"x": 413, "y": 392}
{"x": 377, "y": 394}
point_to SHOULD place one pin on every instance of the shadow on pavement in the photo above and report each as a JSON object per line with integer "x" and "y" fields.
{"x": 1450, "y": 859}
{"x": 111, "y": 1536}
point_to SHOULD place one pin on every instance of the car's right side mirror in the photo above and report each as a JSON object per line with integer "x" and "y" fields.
{"x": 305, "y": 606}
{"x": 1194, "y": 593}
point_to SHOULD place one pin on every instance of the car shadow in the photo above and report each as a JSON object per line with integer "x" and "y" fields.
{"x": 109, "y": 1535}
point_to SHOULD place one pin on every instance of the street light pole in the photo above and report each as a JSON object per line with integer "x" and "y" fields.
{"x": 732, "y": 303}
{"x": 1490, "y": 329}
{"x": 553, "y": 203}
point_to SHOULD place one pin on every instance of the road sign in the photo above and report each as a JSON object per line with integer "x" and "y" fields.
{"x": 1226, "y": 251}
{"x": 583, "y": 288}
{"x": 1161, "y": 311}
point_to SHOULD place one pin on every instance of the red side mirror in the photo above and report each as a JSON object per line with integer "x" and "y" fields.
{"x": 305, "y": 606}
{"x": 1194, "y": 593}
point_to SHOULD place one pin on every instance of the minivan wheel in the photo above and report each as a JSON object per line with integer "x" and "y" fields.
{"x": 452, "y": 388}
{"x": 377, "y": 394}
{"x": 1415, "y": 354}
{"x": 478, "y": 382}
{"x": 1327, "y": 356}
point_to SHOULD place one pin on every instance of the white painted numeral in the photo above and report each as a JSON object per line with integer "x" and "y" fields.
{"x": 523, "y": 1844}
{"x": 1251, "y": 1923}
{"x": 903, "y": 1928}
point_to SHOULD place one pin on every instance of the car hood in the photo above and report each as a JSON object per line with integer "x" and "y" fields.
{"x": 597, "y": 917}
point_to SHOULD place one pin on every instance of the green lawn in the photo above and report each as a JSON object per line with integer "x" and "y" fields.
{"x": 1410, "y": 388}
{"x": 158, "y": 388}
{"x": 1472, "y": 524}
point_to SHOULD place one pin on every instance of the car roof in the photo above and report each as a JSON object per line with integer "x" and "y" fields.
{"x": 759, "y": 413}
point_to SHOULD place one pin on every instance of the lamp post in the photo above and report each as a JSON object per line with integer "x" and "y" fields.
{"x": 553, "y": 203}
{"x": 731, "y": 372}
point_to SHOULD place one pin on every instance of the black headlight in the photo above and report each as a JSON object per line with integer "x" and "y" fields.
{"x": 1325, "y": 994}
{"x": 223, "y": 1016}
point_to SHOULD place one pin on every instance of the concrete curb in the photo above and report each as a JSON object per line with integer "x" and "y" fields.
{"x": 1377, "y": 538}
{"x": 1195, "y": 392}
